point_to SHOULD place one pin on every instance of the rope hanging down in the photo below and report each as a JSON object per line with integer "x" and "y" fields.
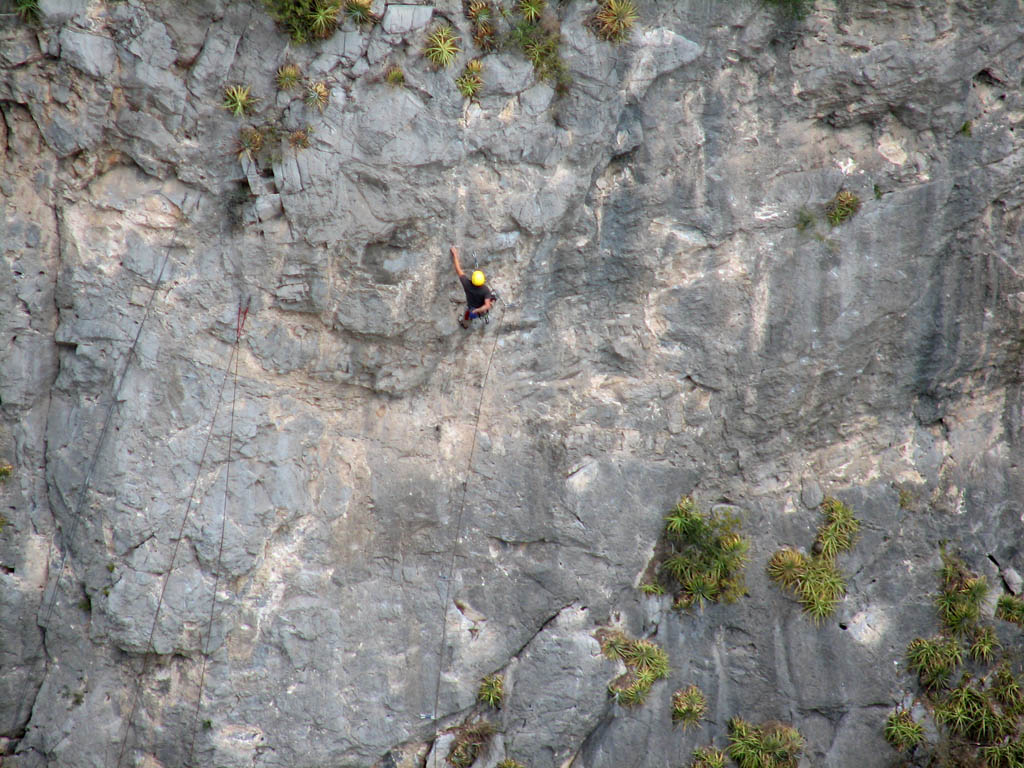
{"x": 242, "y": 314}
{"x": 76, "y": 514}
{"x": 458, "y": 522}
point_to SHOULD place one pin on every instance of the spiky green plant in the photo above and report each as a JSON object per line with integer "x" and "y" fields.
{"x": 841, "y": 207}
{"x": 614, "y": 644}
{"x": 705, "y": 556}
{"x": 652, "y": 588}
{"x": 250, "y": 142}
{"x": 1010, "y": 608}
{"x": 508, "y": 762}
{"x": 628, "y": 690}
{"x": 839, "y": 531}
{"x": 238, "y": 100}
{"x": 27, "y": 10}
{"x": 967, "y": 712}
{"x": 984, "y": 645}
{"x": 485, "y": 36}
{"x": 288, "y": 76}
{"x": 492, "y": 691}
{"x": 299, "y": 138}
{"x": 6, "y": 470}
{"x": 934, "y": 660}
{"x": 318, "y": 95}
{"x": 778, "y": 746}
{"x": 470, "y": 741}
{"x": 540, "y": 44}
{"x": 959, "y": 602}
{"x": 480, "y": 11}
{"x": 645, "y": 662}
{"x": 1007, "y": 690}
{"x": 395, "y": 76}
{"x": 820, "y": 588}
{"x": 786, "y": 567}
{"x": 442, "y": 46}
{"x": 359, "y": 12}
{"x": 645, "y": 656}
{"x": 531, "y": 10}
{"x": 614, "y": 19}
{"x": 470, "y": 82}
{"x": 688, "y": 706}
{"x": 708, "y": 757}
{"x": 323, "y": 18}
{"x": 901, "y": 731}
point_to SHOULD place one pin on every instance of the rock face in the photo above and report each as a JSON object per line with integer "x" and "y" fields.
{"x": 308, "y": 547}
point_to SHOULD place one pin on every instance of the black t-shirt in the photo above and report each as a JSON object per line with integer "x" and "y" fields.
{"x": 476, "y": 295}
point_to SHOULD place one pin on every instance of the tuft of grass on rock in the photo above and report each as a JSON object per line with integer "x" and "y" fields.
{"x": 288, "y": 76}
{"x": 688, "y": 706}
{"x": 1007, "y": 690}
{"x": 934, "y": 660}
{"x": 470, "y": 742}
{"x": 902, "y": 732}
{"x": 442, "y": 46}
{"x": 1011, "y": 609}
{"x": 27, "y": 10}
{"x": 395, "y": 77}
{"x": 704, "y": 556}
{"x": 839, "y": 531}
{"x": 775, "y": 745}
{"x": 959, "y": 601}
{"x": 318, "y": 95}
{"x": 531, "y": 10}
{"x": 984, "y": 645}
{"x": 305, "y": 20}
{"x": 508, "y": 762}
{"x": 238, "y": 100}
{"x": 708, "y": 757}
{"x": 539, "y": 43}
{"x": 323, "y": 19}
{"x": 482, "y": 16}
{"x": 816, "y": 581}
{"x": 983, "y": 713}
{"x": 820, "y": 588}
{"x": 646, "y": 663}
{"x": 492, "y": 691}
{"x": 470, "y": 81}
{"x": 614, "y": 20}
{"x": 249, "y": 144}
{"x": 299, "y": 138}
{"x": 6, "y": 470}
{"x": 358, "y": 11}
{"x": 786, "y": 567}
{"x": 841, "y": 207}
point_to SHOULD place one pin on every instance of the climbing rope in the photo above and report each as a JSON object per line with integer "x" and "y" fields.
{"x": 458, "y": 521}
{"x": 76, "y": 514}
{"x": 243, "y": 313}
{"x": 177, "y": 544}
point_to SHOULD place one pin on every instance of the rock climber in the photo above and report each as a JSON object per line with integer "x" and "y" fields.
{"x": 479, "y": 298}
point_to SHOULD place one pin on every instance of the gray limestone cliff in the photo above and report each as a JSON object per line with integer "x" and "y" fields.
{"x": 408, "y": 507}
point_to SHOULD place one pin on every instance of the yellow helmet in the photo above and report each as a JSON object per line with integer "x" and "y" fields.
{"x": 477, "y": 278}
